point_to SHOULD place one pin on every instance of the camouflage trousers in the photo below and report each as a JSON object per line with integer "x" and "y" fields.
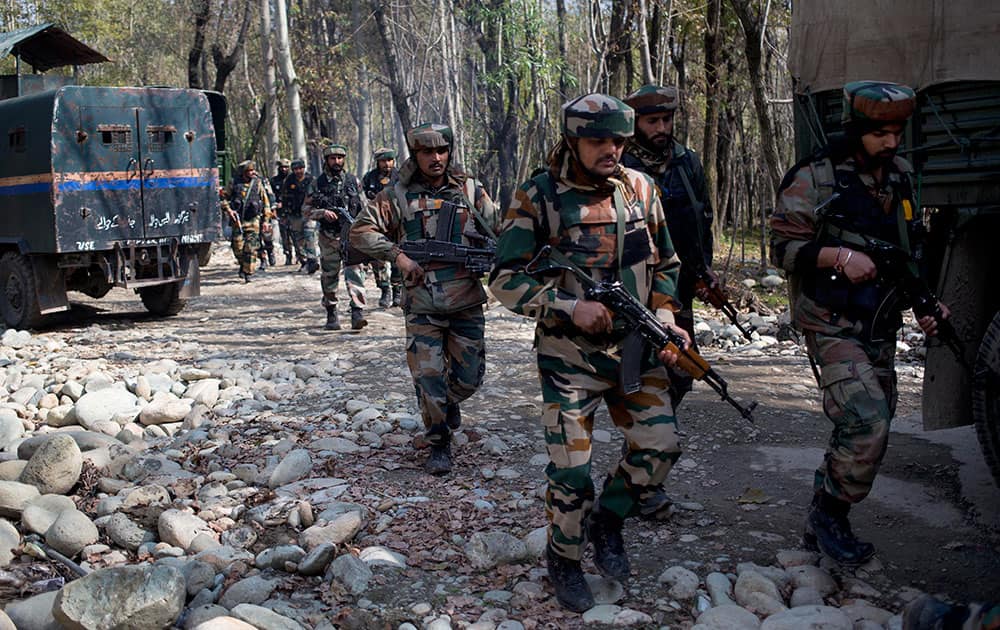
{"x": 571, "y": 396}
{"x": 446, "y": 354}
{"x": 386, "y": 274}
{"x": 245, "y": 244}
{"x": 303, "y": 233}
{"x": 267, "y": 230}
{"x": 288, "y": 243}
{"x": 329, "y": 280}
{"x": 859, "y": 397}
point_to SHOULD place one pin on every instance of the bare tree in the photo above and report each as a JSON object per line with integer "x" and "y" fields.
{"x": 202, "y": 12}
{"x": 399, "y": 96}
{"x": 271, "y": 140}
{"x": 713, "y": 48}
{"x": 225, "y": 62}
{"x": 284, "y": 55}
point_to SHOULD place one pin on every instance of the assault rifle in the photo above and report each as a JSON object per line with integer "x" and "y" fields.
{"x": 478, "y": 260}
{"x": 637, "y": 317}
{"x": 895, "y": 266}
{"x": 719, "y": 298}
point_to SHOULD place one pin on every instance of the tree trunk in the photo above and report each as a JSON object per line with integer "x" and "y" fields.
{"x": 197, "y": 53}
{"x": 643, "y": 26}
{"x": 561, "y": 25}
{"x": 399, "y": 97}
{"x": 713, "y": 46}
{"x": 271, "y": 139}
{"x": 619, "y": 57}
{"x": 284, "y": 55}
{"x": 226, "y": 63}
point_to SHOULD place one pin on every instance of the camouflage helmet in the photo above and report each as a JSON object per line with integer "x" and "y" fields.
{"x": 384, "y": 153}
{"x": 284, "y": 162}
{"x": 298, "y": 163}
{"x": 598, "y": 116}
{"x": 429, "y": 136}
{"x": 877, "y": 102}
{"x": 653, "y": 99}
{"x": 334, "y": 149}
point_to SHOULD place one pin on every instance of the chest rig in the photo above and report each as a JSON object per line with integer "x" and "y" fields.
{"x": 293, "y": 194}
{"x": 333, "y": 194}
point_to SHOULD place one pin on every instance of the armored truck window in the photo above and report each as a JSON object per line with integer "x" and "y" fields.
{"x": 159, "y": 136}
{"x": 116, "y": 137}
{"x": 17, "y": 139}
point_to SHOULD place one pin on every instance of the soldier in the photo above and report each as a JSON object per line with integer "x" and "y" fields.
{"x": 299, "y": 227}
{"x": 834, "y": 296}
{"x": 608, "y": 220}
{"x": 680, "y": 177}
{"x": 930, "y": 613}
{"x": 336, "y": 188}
{"x": 277, "y": 183}
{"x": 383, "y": 175}
{"x": 247, "y": 205}
{"x": 442, "y": 302}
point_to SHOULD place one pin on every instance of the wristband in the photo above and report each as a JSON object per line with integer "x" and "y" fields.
{"x": 837, "y": 266}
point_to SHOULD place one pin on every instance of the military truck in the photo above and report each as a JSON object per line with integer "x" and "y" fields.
{"x": 100, "y": 187}
{"x": 947, "y": 50}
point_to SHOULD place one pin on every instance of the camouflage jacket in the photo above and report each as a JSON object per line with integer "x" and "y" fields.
{"x": 293, "y": 194}
{"x": 409, "y": 211}
{"x": 580, "y": 220}
{"x": 374, "y": 181}
{"x": 688, "y": 220}
{"x": 330, "y": 191}
{"x": 797, "y": 236}
{"x": 249, "y": 200}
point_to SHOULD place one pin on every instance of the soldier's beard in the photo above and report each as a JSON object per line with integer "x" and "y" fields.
{"x": 657, "y": 143}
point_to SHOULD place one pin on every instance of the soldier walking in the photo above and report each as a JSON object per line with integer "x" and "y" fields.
{"x": 300, "y": 228}
{"x": 277, "y": 184}
{"x": 336, "y": 188}
{"x": 608, "y": 220}
{"x": 442, "y": 301}
{"x": 680, "y": 178}
{"x": 834, "y": 296}
{"x": 384, "y": 175}
{"x": 247, "y": 205}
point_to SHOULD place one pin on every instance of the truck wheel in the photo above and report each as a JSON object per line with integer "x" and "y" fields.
{"x": 18, "y": 300}
{"x": 162, "y": 299}
{"x": 986, "y": 396}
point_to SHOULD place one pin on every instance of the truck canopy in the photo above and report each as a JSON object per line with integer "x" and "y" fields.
{"x": 921, "y": 44}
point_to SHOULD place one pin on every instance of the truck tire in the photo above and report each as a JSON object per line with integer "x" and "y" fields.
{"x": 18, "y": 300}
{"x": 162, "y": 299}
{"x": 986, "y": 396}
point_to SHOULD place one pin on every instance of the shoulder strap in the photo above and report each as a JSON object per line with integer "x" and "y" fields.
{"x": 469, "y": 189}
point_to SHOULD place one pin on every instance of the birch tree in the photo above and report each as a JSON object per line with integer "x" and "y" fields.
{"x": 284, "y": 57}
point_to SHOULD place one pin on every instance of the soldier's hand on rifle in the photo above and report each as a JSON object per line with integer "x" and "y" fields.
{"x": 233, "y": 217}
{"x": 330, "y": 215}
{"x": 668, "y": 356}
{"x": 591, "y": 317}
{"x": 704, "y": 291}
{"x": 856, "y": 265}
{"x": 929, "y": 324}
{"x": 412, "y": 272}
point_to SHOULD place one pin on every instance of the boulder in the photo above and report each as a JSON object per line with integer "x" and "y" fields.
{"x": 137, "y": 596}
{"x": 55, "y": 467}
{"x": 103, "y": 404}
{"x": 71, "y": 532}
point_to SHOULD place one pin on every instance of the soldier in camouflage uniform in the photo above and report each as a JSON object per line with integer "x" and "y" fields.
{"x": 336, "y": 188}
{"x": 300, "y": 228}
{"x": 834, "y": 296}
{"x": 608, "y": 220}
{"x": 680, "y": 177}
{"x": 387, "y": 277}
{"x": 247, "y": 204}
{"x": 277, "y": 183}
{"x": 442, "y": 302}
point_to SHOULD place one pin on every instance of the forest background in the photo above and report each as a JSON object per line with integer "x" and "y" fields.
{"x": 301, "y": 74}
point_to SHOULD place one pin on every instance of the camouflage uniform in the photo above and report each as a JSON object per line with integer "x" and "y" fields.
{"x": 252, "y": 204}
{"x": 336, "y": 190}
{"x": 854, "y": 357}
{"x": 277, "y": 183}
{"x": 444, "y": 315}
{"x": 387, "y": 275}
{"x": 298, "y": 227}
{"x": 580, "y": 216}
{"x": 678, "y": 175}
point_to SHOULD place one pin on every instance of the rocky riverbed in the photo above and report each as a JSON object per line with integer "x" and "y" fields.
{"x": 237, "y": 466}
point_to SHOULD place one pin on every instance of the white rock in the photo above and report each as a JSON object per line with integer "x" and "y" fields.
{"x": 14, "y": 496}
{"x": 42, "y": 511}
{"x": 380, "y": 556}
{"x": 71, "y": 532}
{"x": 55, "y": 467}
{"x": 772, "y": 282}
{"x": 179, "y": 528}
{"x": 164, "y": 411}
{"x": 263, "y": 618}
{"x": 813, "y": 617}
{"x": 727, "y": 617}
{"x": 204, "y": 392}
{"x": 720, "y": 589}
{"x": 489, "y": 549}
{"x": 10, "y": 540}
{"x": 813, "y": 577}
{"x": 11, "y": 429}
{"x": 103, "y": 404}
{"x": 341, "y": 530}
{"x": 682, "y": 583}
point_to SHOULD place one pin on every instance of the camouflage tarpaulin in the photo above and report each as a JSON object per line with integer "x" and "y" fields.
{"x": 919, "y": 43}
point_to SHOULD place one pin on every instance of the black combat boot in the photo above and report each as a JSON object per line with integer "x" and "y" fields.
{"x": 312, "y": 266}
{"x": 270, "y": 258}
{"x": 386, "y": 298}
{"x": 572, "y": 591}
{"x": 439, "y": 461}
{"x": 828, "y": 531}
{"x": 395, "y": 295}
{"x": 332, "y": 320}
{"x": 454, "y": 415}
{"x": 655, "y": 506}
{"x": 288, "y": 259}
{"x": 604, "y": 530}
{"x": 358, "y": 320}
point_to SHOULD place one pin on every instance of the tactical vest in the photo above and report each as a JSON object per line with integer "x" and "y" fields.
{"x": 293, "y": 194}
{"x": 448, "y": 218}
{"x": 337, "y": 193}
{"x": 374, "y": 181}
{"x": 249, "y": 199}
{"x": 856, "y": 212}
